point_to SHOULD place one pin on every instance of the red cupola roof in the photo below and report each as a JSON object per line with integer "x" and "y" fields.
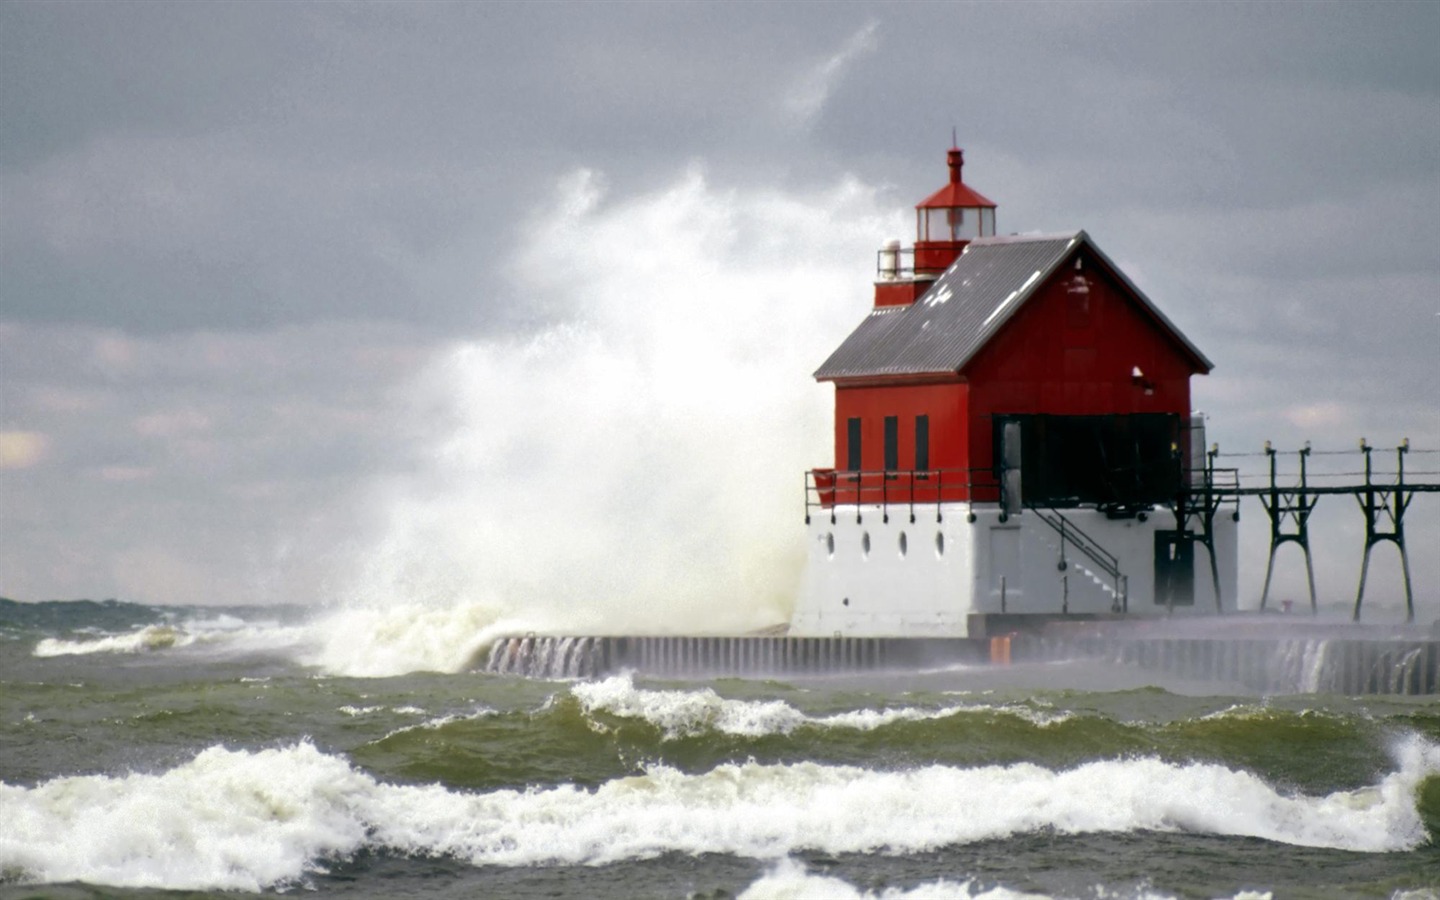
{"x": 956, "y": 193}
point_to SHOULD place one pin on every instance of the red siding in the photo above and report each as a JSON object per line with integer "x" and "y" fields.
{"x": 945, "y": 404}
{"x": 1073, "y": 353}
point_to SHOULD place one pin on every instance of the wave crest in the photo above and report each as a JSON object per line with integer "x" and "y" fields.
{"x": 151, "y": 637}
{"x": 689, "y": 713}
{"x": 253, "y": 820}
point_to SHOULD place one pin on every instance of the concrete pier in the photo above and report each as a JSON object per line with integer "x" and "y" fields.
{"x": 748, "y": 656}
{"x": 1314, "y": 660}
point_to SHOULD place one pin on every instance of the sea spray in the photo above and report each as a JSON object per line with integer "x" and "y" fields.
{"x": 371, "y": 642}
{"x": 636, "y": 464}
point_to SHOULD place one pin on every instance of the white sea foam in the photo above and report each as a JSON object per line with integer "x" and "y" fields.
{"x": 690, "y": 712}
{"x": 360, "y": 710}
{"x": 684, "y": 713}
{"x": 789, "y": 880}
{"x": 249, "y": 820}
{"x": 440, "y": 721}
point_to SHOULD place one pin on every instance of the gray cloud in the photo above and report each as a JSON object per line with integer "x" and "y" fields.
{"x": 230, "y": 232}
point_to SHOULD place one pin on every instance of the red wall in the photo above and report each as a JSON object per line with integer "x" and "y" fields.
{"x": 1067, "y": 352}
{"x": 946, "y": 404}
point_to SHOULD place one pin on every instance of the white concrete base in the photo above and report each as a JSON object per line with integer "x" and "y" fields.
{"x": 875, "y": 573}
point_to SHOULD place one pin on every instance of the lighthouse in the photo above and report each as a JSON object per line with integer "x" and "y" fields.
{"x": 1019, "y": 476}
{"x": 1013, "y": 436}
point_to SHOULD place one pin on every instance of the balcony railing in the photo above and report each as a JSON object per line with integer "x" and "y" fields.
{"x": 895, "y": 263}
{"x": 827, "y": 489}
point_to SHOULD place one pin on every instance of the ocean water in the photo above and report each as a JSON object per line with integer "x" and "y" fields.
{"x": 198, "y": 752}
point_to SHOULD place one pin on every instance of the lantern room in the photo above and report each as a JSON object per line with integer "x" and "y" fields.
{"x": 945, "y": 223}
{"x": 949, "y": 219}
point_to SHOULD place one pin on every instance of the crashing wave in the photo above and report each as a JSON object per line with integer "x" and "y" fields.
{"x": 243, "y": 820}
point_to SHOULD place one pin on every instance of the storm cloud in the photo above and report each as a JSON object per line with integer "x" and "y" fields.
{"x": 236, "y": 240}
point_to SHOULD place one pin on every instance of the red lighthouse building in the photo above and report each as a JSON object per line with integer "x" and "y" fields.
{"x": 1019, "y": 408}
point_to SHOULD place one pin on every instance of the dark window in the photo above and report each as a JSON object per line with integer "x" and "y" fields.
{"x": 852, "y": 445}
{"x": 892, "y": 443}
{"x": 922, "y": 443}
{"x": 1114, "y": 462}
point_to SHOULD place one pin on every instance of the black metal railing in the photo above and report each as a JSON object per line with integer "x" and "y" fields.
{"x": 895, "y": 264}
{"x": 1072, "y": 535}
{"x": 830, "y": 489}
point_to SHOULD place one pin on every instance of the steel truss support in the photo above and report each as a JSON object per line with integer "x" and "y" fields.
{"x": 1290, "y": 506}
{"x": 1384, "y": 506}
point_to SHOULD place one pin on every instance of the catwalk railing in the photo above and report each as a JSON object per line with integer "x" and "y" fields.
{"x": 1289, "y": 497}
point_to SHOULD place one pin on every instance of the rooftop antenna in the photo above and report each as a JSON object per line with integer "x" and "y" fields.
{"x": 954, "y": 141}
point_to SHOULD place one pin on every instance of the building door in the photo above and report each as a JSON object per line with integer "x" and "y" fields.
{"x": 1005, "y": 584}
{"x": 1174, "y": 568}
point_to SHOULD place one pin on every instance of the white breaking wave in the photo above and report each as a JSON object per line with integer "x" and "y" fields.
{"x": 151, "y": 637}
{"x": 688, "y": 713}
{"x": 251, "y": 820}
{"x": 223, "y": 632}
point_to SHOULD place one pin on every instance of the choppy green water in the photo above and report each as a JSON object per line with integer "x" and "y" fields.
{"x": 205, "y": 754}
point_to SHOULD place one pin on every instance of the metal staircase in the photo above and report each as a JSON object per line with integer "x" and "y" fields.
{"x": 1103, "y": 560}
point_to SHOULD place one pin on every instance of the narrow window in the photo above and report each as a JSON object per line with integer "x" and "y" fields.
{"x": 892, "y": 443}
{"x": 852, "y": 445}
{"x": 922, "y": 443}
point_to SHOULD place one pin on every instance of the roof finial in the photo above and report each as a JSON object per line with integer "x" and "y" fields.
{"x": 955, "y": 157}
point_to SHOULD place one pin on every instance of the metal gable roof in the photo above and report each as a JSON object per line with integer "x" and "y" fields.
{"x": 964, "y": 308}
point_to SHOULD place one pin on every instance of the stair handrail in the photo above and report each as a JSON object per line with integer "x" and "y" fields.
{"x": 1107, "y": 562}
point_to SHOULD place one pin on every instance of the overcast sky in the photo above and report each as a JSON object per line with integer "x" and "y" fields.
{"x": 291, "y": 294}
